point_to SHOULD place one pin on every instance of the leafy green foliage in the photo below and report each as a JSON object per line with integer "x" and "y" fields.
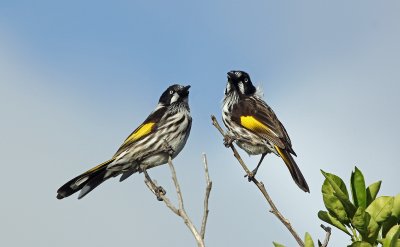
{"x": 358, "y": 189}
{"x": 372, "y": 191}
{"x": 381, "y": 208}
{"x": 388, "y": 224}
{"x": 372, "y": 231}
{"x": 368, "y": 219}
{"x": 360, "y": 244}
{"x": 360, "y": 221}
{"x": 396, "y": 207}
{"x": 392, "y": 237}
{"x": 336, "y": 188}
{"x": 308, "y": 242}
{"x": 328, "y": 218}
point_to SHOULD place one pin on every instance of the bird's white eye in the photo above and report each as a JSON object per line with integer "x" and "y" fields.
{"x": 171, "y": 91}
{"x": 246, "y": 80}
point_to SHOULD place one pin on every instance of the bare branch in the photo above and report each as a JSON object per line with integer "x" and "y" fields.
{"x": 328, "y": 231}
{"x": 206, "y": 197}
{"x": 181, "y": 212}
{"x": 260, "y": 186}
{"x": 176, "y": 183}
{"x": 163, "y": 197}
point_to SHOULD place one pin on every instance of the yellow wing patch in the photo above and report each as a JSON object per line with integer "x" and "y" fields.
{"x": 140, "y": 132}
{"x": 253, "y": 124}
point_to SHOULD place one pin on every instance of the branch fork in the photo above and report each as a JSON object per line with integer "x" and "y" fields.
{"x": 180, "y": 210}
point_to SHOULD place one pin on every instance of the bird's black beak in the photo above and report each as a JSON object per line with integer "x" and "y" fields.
{"x": 184, "y": 92}
{"x": 231, "y": 75}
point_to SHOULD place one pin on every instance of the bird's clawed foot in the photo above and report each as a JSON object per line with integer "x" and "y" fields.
{"x": 159, "y": 191}
{"x": 251, "y": 175}
{"x": 228, "y": 140}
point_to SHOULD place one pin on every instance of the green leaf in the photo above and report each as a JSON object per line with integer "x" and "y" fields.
{"x": 388, "y": 224}
{"x": 308, "y": 242}
{"x": 335, "y": 180}
{"x": 360, "y": 244}
{"x": 339, "y": 190}
{"x": 381, "y": 208}
{"x": 277, "y": 244}
{"x": 335, "y": 207}
{"x": 396, "y": 243}
{"x": 358, "y": 188}
{"x": 372, "y": 231}
{"x": 392, "y": 237}
{"x": 360, "y": 221}
{"x": 396, "y": 207}
{"x": 372, "y": 191}
{"x": 328, "y": 218}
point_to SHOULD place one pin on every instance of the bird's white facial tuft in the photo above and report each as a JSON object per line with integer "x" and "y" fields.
{"x": 174, "y": 98}
{"x": 228, "y": 87}
{"x": 241, "y": 87}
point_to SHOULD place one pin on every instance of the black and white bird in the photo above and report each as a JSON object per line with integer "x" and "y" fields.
{"x": 163, "y": 133}
{"x": 254, "y": 127}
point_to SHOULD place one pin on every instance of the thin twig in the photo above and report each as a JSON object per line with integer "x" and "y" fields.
{"x": 328, "y": 231}
{"x": 162, "y": 196}
{"x": 261, "y": 187}
{"x": 181, "y": 212}
{"x": 206, "y": 197}
{"x": 176, "y": 183}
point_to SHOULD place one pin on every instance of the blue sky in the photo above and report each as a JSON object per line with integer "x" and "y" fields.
{"x": 77, "y": 77}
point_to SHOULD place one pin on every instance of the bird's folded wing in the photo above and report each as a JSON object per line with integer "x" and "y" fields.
{"x": 256, "y": 116}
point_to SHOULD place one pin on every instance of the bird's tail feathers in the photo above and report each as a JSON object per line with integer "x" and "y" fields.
{"x": 127, "y": 174}
{"x": 293, "y": 168}
{"x": 86, "y": 182}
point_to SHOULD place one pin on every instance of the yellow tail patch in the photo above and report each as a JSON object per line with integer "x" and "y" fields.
{"x": 140, "y": 132}
{"x": 99, "y": 166}
{"x": 283, "y": 156}
{"x": 249, "y": 122}
{"x": 286, "y": 159}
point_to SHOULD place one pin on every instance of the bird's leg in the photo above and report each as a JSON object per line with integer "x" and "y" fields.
{"x": 254, "y": 172}
{"x": 167, "y": 148}
{"x": 158, "y": 190}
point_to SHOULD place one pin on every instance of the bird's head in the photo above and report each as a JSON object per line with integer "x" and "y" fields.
{"x": 174, "y": 94}
{"x": 239, "y": 82}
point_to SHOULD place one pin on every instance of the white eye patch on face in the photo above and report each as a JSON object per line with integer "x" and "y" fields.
{"x": 175, "y": 97}
{"x": 241, "y": 87}
{"x": 228, "y": 88}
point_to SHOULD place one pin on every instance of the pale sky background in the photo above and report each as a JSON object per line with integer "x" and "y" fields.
{"x": 76, "y": 77}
